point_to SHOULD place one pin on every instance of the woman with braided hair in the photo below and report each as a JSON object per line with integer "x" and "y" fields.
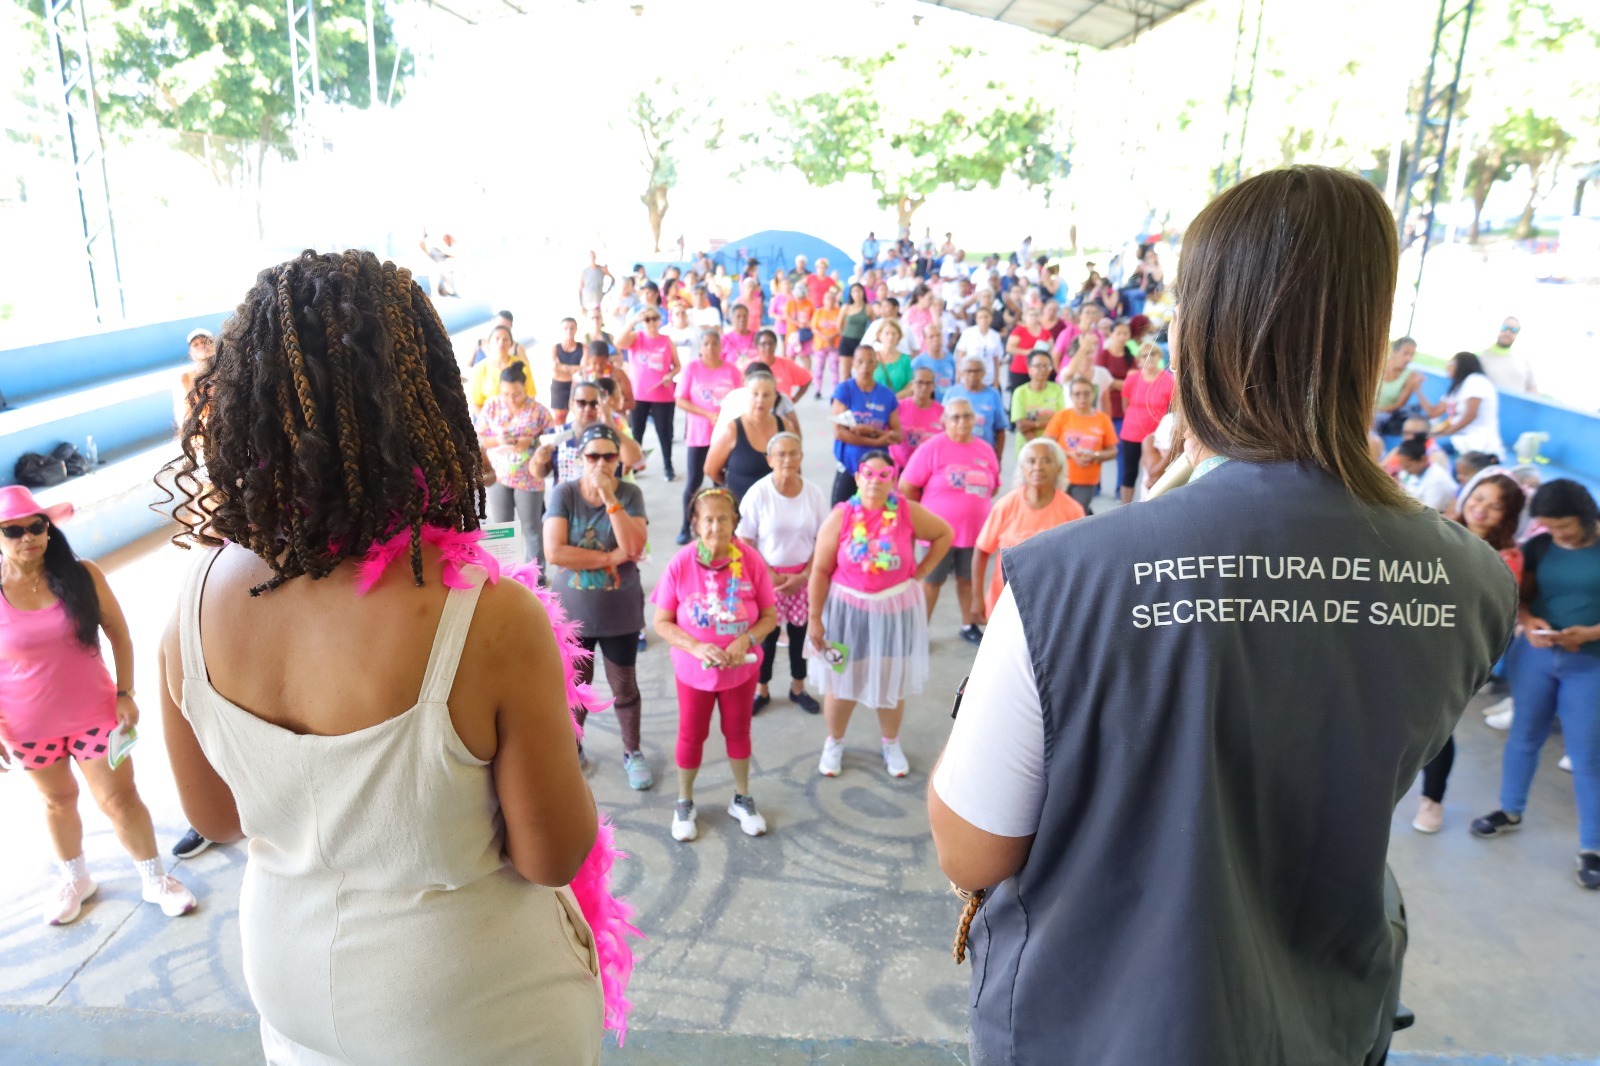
{"x": 401, "y": 903}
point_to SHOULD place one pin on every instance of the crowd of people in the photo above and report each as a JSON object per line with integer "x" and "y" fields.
{"x": 968, "y": 407}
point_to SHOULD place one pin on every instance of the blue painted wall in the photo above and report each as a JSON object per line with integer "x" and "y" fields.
{"x": 774, "y": 247}
{"x": 1574, "y": 444}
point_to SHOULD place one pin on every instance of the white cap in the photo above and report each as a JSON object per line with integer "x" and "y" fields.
{"x": 194, "y": 333}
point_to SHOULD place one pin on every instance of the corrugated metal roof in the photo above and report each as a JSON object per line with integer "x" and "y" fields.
{"x": 1101, "y": 23}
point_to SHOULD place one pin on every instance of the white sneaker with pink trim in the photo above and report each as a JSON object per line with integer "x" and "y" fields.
{"x": 168, "y": 893}
{"x": 68, "y": 901}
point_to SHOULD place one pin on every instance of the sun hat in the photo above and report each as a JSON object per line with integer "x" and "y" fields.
{"x": 196, "y": 333}
{"x": 17, "y": 502}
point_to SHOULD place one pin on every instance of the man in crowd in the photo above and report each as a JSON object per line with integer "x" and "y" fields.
{"x": 869, "y": 252}
{"x": 1509, "y": 370}
{"x": 594, "y": 281}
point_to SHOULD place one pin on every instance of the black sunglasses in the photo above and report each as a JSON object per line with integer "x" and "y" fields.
{"x": 599, "y": 457}
{"x": 586, "y": 403}
{"x": 32, "y": 529}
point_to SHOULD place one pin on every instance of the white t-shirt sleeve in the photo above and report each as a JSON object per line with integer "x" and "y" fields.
{"x": 992, "y": 772}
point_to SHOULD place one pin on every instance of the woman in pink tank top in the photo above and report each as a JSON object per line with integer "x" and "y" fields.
{"x": 57, "y": 699}
{"x": 868, "y": 630}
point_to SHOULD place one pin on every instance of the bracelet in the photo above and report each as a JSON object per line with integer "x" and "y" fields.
{"x": 124, "y": 693}
{"x": 614, "y": 508}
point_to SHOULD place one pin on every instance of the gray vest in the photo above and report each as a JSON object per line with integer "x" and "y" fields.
{"x": 1240, "y": 680}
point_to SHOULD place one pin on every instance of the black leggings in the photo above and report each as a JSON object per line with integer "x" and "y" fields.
{"x": 662, "y": 412}
{"x": 1437, "y": 772}
{"x": 844, "y": 486}
{"x": 1130, "y": 455}
{"x": 697, "y": 477}
{"x": 797, "y": 653}
{"x": 622, "y": 656}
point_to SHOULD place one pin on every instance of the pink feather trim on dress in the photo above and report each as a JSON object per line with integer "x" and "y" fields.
{"x": 608, "y": 916}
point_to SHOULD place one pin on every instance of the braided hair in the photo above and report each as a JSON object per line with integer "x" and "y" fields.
{"x": 331, "y": 417}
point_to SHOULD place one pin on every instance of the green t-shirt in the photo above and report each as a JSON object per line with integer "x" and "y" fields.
{"x": 896, "y": 375}
{"x": 1568, "y": 589}
{"x": 1037, "y": 406}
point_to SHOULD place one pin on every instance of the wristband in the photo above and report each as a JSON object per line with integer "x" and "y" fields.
{"x": 124, "y": 693}
{"x": 614, "y": 508}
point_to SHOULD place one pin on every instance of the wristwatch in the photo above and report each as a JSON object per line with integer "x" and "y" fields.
{"x": 124, "y": 693}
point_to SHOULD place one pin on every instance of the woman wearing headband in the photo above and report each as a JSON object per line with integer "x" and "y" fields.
{"x": 594, "y": 532}
{"x": 715, "y": 606}
{"x": 868, "y": 628}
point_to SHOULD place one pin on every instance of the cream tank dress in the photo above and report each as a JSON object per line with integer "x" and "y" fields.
{"x": 381, "y": 922}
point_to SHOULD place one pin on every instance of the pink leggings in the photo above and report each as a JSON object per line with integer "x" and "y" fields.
{"x": 694, "y": 721}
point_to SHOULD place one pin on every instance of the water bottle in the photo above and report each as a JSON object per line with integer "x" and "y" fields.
{"x": 91, "y": 453}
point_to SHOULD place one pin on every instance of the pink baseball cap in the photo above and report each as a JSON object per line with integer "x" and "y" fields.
{"x": 17, "y": 502}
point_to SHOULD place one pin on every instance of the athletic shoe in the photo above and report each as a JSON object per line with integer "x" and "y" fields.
{"x": 832, "y": 758}
{"x": 972, "y": 634}
{"x": 1589, "y": 869}
{"x": 759, "y": 704}
{"x": 895, "y": 759}
{"x": 638, "y": 771}
{"x": 1501, "y": 721}
{"x": 1495, "y": 823}
{"x": 1497, "y": 707}
{"x": 1430, "y": 816}
{"x": 168, "y": 893}
{"x": 191, "y": 845}
{"x": 643, "y": 644}
{"x": 783, "y": 638}
{"x": 683, "y": 537}
{"x": 68, "y": 902}
{"x": 807, "y": 701}
{"x": 1566, "y": 763}
{"x": 744, "y": 809}
{"x": 684, "y": 823}
{"x": 671, "y": 476}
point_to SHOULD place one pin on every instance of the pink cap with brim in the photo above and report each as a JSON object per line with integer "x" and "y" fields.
{"x": 17, "y": 502}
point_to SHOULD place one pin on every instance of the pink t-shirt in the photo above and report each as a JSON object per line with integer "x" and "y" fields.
{"x": 736, "y": 347}
{"x": 50, "y": 685}
{"x": 902, "y": 556}
{"x": 917, "y": 424}
{"x": 1144, "y": 403}
{"x": 957, "y": 482}
{"x": 711, "y": 606}
{"x": 707, "y": 387}
{"x": 818, "y": 286}
{"x": 649, "y": 361}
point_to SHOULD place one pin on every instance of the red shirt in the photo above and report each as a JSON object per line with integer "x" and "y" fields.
{"x": 1119, "y": 365}
{"x": 1027, "y": 340}
{"x": 1147, "y": 403}
{"x": 819, "y": 286}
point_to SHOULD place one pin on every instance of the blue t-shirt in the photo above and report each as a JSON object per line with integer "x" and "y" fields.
{"x": 869, "y": 251}
{"x": 871, "y": 409}
{"x": 1567, "y": 584}
{"x": 987, "y": 406}
{"x": 944, "y": 372}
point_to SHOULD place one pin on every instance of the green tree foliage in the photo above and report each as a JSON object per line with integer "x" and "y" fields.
{"x": 222, "y": 68}
{"x": 878, "y": 121}
{"x": 663, "y": 122}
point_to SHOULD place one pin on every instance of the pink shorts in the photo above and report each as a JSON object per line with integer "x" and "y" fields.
{"x": 89, "y": 744}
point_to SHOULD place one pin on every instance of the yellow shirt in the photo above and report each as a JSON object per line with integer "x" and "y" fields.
{"x": 484, "y": 380}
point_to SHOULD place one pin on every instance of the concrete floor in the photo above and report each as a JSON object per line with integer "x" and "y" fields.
{"x": 827, "y": 940}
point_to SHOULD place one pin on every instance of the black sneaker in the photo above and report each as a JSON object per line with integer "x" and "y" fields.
{"x": 972, "y": 634}
{"x": 759, "y": 704}
{"x": 191, "y": 845}
{"x": 807, "y": 701}
{"x": 1589, "y": 869}
{"x": 1495, "y": 823}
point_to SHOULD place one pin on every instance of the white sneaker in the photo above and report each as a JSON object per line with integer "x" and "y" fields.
{"x": 64, "y": 908}
{"x": 744, "y": 809}
{"x": 685, "y": 824}
{"x": 1566, "y": 763}
{"x": 1501, "y": 721}
{"x": 1498, "y": 707}
{"x": 169, "y": 894}
{"x": 832, "y": 758}
{"x": 895, "y": 759}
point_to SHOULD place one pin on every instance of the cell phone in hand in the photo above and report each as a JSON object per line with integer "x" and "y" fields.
{"x": 1545, "y": 632}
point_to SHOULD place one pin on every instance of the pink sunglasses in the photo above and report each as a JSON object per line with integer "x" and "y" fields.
{"x": 882, "y": 473}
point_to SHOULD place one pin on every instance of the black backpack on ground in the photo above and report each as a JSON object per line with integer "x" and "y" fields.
{"x": 42, "y": 471}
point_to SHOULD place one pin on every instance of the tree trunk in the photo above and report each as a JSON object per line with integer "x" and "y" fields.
{"x": 1525, "y": 223}
{"x": 1577, "y": 198}
{"x": 655, "y": 202}
{"x": 907, "y": 207}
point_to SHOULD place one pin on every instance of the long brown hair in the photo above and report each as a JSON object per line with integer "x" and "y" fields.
{"x": 1284, "y": 299}
{"x": 331, "y": 417}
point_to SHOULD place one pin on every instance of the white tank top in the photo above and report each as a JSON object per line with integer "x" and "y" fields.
{"x": 379, "y": 918}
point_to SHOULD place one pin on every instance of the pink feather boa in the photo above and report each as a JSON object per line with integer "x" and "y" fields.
{"x": 608, "y": 916}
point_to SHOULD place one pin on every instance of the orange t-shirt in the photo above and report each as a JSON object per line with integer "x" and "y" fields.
{"x": 826, "y": 324}
{"x": 1011, "y": 521}
{"x": 1091, "y": 432}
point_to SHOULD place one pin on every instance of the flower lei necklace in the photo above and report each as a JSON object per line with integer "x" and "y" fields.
{"x": 730, "y": 597}
{"x": 874, "y": 554}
